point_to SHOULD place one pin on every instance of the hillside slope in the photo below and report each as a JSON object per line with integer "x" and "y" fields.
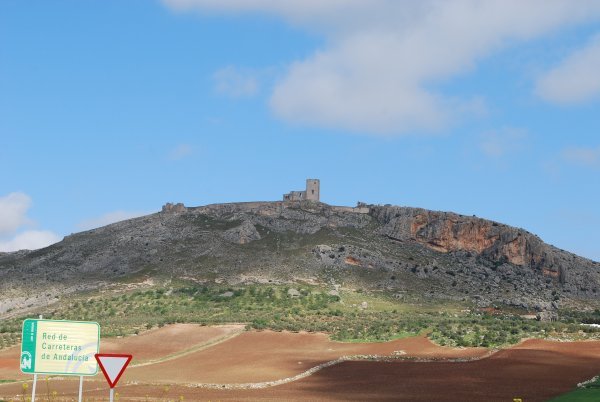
{"x": 408, "y": 252}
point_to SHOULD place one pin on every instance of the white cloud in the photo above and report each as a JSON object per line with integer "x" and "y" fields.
{"x": 13, "y": 212}
{"x": 383, "y": 57}
{"x": 582, "y": 156}
{"x": 180, "y": 151}
{"x": 107, "y": 219}
{"x": 502, "y": 142}
{"x": 575, "y": 79}
{"x": 30, "y": 240}
{"x": 235, "y": 83}
{"x": 298, "y": 11}
{"x": 13, "y": 218}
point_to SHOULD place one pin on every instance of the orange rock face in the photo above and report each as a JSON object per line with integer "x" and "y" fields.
{"x": 453, "y": 235}
{"x": 449, "y": 232}
{"x": 515, "y": 251}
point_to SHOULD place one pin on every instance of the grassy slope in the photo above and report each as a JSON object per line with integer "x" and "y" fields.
{"x": 269, "y": 306}
{"x": 588, "y": 393}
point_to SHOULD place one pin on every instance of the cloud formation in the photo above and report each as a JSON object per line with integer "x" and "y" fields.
{"x": 383, "y": 58}
{"x": 502, "y": 142}
{"x": 30, "y": 240}
{"x": 575, "y": 79}
{"x": 13, "y": 212}
{"x": 14, "y": 221}
{"x": 108, "y": 218}
{"x": 235, "y": 83}
{"x": 583, "y": 156}
{"x": 181, "y": 151}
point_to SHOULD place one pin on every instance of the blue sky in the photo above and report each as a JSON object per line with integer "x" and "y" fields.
{"x": 109, "y": 109}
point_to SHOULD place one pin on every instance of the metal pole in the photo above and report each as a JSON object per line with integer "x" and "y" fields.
{"x": 34, "y": 379}
{"x": 33, "y": 388}
{"x": 80, "y": 387}
{"x": 112, "y": 392}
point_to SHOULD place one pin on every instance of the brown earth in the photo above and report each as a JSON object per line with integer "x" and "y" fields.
{"x": 9, "y": 364}
{"x": 534, "y": 370}
{"x": 267, "y": 356}
{"x": 150, "y": 345}
{"x": 161, "y": 342}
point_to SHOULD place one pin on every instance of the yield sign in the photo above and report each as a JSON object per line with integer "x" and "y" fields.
{"x": 113, "y": 366}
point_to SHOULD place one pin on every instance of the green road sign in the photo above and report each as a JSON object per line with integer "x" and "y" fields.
{"x": 59, "y": 347}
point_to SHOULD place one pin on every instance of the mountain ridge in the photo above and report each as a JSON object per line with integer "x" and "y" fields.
{"x": 401, "y": 250}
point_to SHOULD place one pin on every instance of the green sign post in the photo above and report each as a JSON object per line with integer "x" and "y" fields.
{"x": 60, "y": 348}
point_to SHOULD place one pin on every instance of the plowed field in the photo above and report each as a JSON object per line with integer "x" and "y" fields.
{"x": 203, "y": 363}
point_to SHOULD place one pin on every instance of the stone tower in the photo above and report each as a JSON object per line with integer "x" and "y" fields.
{"x": 313, "y": 188}
{"x": 312, "y": 192}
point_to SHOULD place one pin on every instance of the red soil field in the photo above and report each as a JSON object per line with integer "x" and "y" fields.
{"x": 153, "y": 344}
{"x": 161, "y": 342}
{"x": 534, "y": 370}
{"x": 267, "y": 356}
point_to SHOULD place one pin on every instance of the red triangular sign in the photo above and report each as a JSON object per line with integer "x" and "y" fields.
{"x": 112, "y": 366}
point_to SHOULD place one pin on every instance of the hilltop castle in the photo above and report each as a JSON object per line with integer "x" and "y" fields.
{"x": 311, "y": 193}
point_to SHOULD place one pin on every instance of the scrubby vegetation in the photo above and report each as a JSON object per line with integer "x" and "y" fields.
{"x": 349, "y": 316}
{"x": 498, "y": 330}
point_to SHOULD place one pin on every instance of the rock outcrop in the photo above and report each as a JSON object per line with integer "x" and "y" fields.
{"x": 245, "y": 233}
{"x": 449, "y": 232}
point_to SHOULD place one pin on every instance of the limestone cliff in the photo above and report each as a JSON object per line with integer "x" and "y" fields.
{"x": 449, "y": 232}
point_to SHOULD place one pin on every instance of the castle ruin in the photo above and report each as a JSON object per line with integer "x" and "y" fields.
{"x": 173, "y": 208}
{"x": 312, "y": 192}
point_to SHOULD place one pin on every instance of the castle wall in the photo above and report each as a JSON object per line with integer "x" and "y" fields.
{"x": 295, "y": 196}
{"x": 359, "y": 210}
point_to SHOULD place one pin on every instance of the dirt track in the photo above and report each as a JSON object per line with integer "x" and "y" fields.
{"x": 534, "y": 370}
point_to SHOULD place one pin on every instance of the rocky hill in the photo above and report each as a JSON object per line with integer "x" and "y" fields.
{"x": 408, "y": 252}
